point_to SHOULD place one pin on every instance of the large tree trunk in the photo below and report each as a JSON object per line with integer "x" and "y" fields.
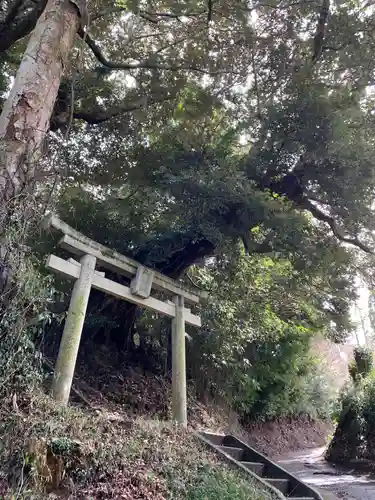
{"x": 25, "y": 118}
{"x": 26, "y": 114}
{"x": 185, "y": 251}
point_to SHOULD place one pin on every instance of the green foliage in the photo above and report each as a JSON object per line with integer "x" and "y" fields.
{"x": 224, "y": 484}
{"x": 64, "y": 446}
{"x": 254, "y": 350}
{"x": 364, "y": 359}
{"x": 355, "y": 432}
{"x": 362, "y": 363}
{"x": 21, "y": 327}
{"x": 368, "y": 413}
{"x": 24, "y": 308}
{"x": 221, "y": 118}
{"x": 184, "y": 195}
{"x": 347, "y": 438}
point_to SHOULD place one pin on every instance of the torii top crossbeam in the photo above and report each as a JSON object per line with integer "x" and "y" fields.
{"x": 79, "y": 244}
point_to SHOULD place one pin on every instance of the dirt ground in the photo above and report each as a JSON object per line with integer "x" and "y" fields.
{"x": 275, "y": 438}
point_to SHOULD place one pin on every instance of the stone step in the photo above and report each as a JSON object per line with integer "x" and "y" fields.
{"x": 242, "y": 454}
{"x": 280, "y": 484}
{"x": 255, "y": 467}
{"x": 216, "y": 439}
{"x": 235, "y": 453}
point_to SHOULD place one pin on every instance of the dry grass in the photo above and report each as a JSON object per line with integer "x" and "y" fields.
{"x": 76, "y": 454}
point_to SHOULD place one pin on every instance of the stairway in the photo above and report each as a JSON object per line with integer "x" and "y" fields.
{"x": 273, "y": 477}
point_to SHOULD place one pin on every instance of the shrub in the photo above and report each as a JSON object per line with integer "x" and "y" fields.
{"x": 24, "y": 304}
{"x": 348, "y": 437}
{"x": 355, "y": 432}
{"x": 368, "y": 413}
{"x": 362, "y": 364}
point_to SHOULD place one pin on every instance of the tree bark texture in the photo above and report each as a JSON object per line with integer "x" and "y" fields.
{"x": 24, "y": 121}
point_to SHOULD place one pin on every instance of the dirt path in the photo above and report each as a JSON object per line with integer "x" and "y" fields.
{"x": 310, "y": 466}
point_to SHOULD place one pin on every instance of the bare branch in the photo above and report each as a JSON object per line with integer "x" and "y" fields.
{"x": 150, "y": 19}
{"x": 153, "y": 17}
{"x": 173, "y": 44}
{"x": 106, "y": 62}
{"x": 290, "y": 187}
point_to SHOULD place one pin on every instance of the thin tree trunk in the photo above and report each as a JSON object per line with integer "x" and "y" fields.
{"x": 25, "y": 118}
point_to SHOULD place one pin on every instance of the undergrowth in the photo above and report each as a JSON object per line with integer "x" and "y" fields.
{"x": 47, "y": 450}
{"x": 223, "y": 484}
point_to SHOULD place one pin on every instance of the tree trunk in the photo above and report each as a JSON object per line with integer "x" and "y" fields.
{"x": 182, "y": 255}
{"x": 25, "y": 118}
{"x": 24, "y": 121}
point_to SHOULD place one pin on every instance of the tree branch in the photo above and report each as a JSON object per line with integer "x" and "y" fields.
{"x": 20, "y": 24}
{"x": 100, "y": 116}
{"x": 12, "y": 12}
{"x": 256, "y": 86}
{"x": 339, "y": 47}
{"x": 145, "y": 64}
{"x": 291, "y": 187}
{"x": 312, "y": 197}
{"x": 321, "y": 30}
{"x": 118, "y": 65}
{"x": 278, "y": 6}
{"x": 318, "y": 214}
{"x": 107, "y": 12}
{"x": 153, "y": 16}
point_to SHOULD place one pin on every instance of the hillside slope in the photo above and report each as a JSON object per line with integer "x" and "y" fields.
{"x": 135, "y": 392}
{"x": 48, "y": 452}
{"x": 116, "y": 441}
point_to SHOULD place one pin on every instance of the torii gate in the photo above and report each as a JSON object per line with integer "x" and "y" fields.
{"x": 143, "y": 281}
